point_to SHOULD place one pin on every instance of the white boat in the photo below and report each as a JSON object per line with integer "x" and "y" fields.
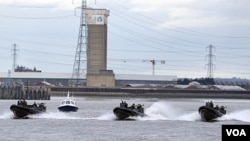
{"x": 68, "y": 105}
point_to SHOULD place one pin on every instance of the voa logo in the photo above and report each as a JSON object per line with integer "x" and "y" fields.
{"x": 99, "y": 19}
{"x": 236, "y": 132}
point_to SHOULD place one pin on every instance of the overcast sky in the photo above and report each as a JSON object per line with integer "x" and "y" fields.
{"x": 177, "y": 32}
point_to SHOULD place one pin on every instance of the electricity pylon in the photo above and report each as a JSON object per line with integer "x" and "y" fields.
{"x": 80, "y": 56}
{"x": 210, "y": 64}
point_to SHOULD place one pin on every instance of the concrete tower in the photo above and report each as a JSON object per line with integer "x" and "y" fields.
{"x": 97, "y": 40}
{"x": 97, "y": 73}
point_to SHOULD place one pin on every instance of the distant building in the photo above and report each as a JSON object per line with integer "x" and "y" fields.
{"x": 140, "y": 80}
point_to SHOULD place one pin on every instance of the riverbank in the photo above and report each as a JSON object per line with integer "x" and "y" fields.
{"x": 175, "y": 95}
{"x": 151, "y": 93}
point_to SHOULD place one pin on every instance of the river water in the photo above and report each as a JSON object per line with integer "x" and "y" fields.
{"x": 167, "y": 120}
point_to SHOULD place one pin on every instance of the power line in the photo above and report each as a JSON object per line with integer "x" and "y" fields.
{"x": 37, "y": 18}
{"x": 147, "y": 37}
{"x": 185, "y": 30}
{"x": 28, "y": 6}
{"x": 141, "y": 24}
{"x": 149, "y": 46}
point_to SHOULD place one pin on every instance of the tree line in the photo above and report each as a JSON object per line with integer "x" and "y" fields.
{"x": 202, "y": 81}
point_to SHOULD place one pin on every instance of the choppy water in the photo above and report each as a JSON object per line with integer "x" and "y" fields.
{"x": 168, "y": 120}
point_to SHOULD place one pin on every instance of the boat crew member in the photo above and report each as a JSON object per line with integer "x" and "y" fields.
{"x": 133, "y": 106}
{"x": 207, "y": 104}
{"x": 217, "y": 107}
{"x": 24, "y": 102}
{"x": 125, "y": 104}
{"x": 211, "y": 104}
{"x": 140, "y": 109}
{"x": 35, "y": 105}
{"x": 139, "y": 106}
{"x": 222, "y": 107}
{"x": 19, "y": 102}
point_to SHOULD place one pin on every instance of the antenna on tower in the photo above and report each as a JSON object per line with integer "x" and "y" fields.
{"x": 210, "y": 64}
{"x": 80, "y": 56}
{"x": 14, "y": 57}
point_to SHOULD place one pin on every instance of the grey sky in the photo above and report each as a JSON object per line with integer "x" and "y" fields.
{"x": 177, "y": 32}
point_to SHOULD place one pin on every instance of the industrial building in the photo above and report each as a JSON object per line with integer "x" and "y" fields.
{"x": 62, "y": 79}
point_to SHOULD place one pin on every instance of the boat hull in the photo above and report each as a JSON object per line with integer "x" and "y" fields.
{"x": 68, "y": 108}
{"x": 209, "y": 113}
{"x": 21, "y": 111}
{"x": 124, "y": 113}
